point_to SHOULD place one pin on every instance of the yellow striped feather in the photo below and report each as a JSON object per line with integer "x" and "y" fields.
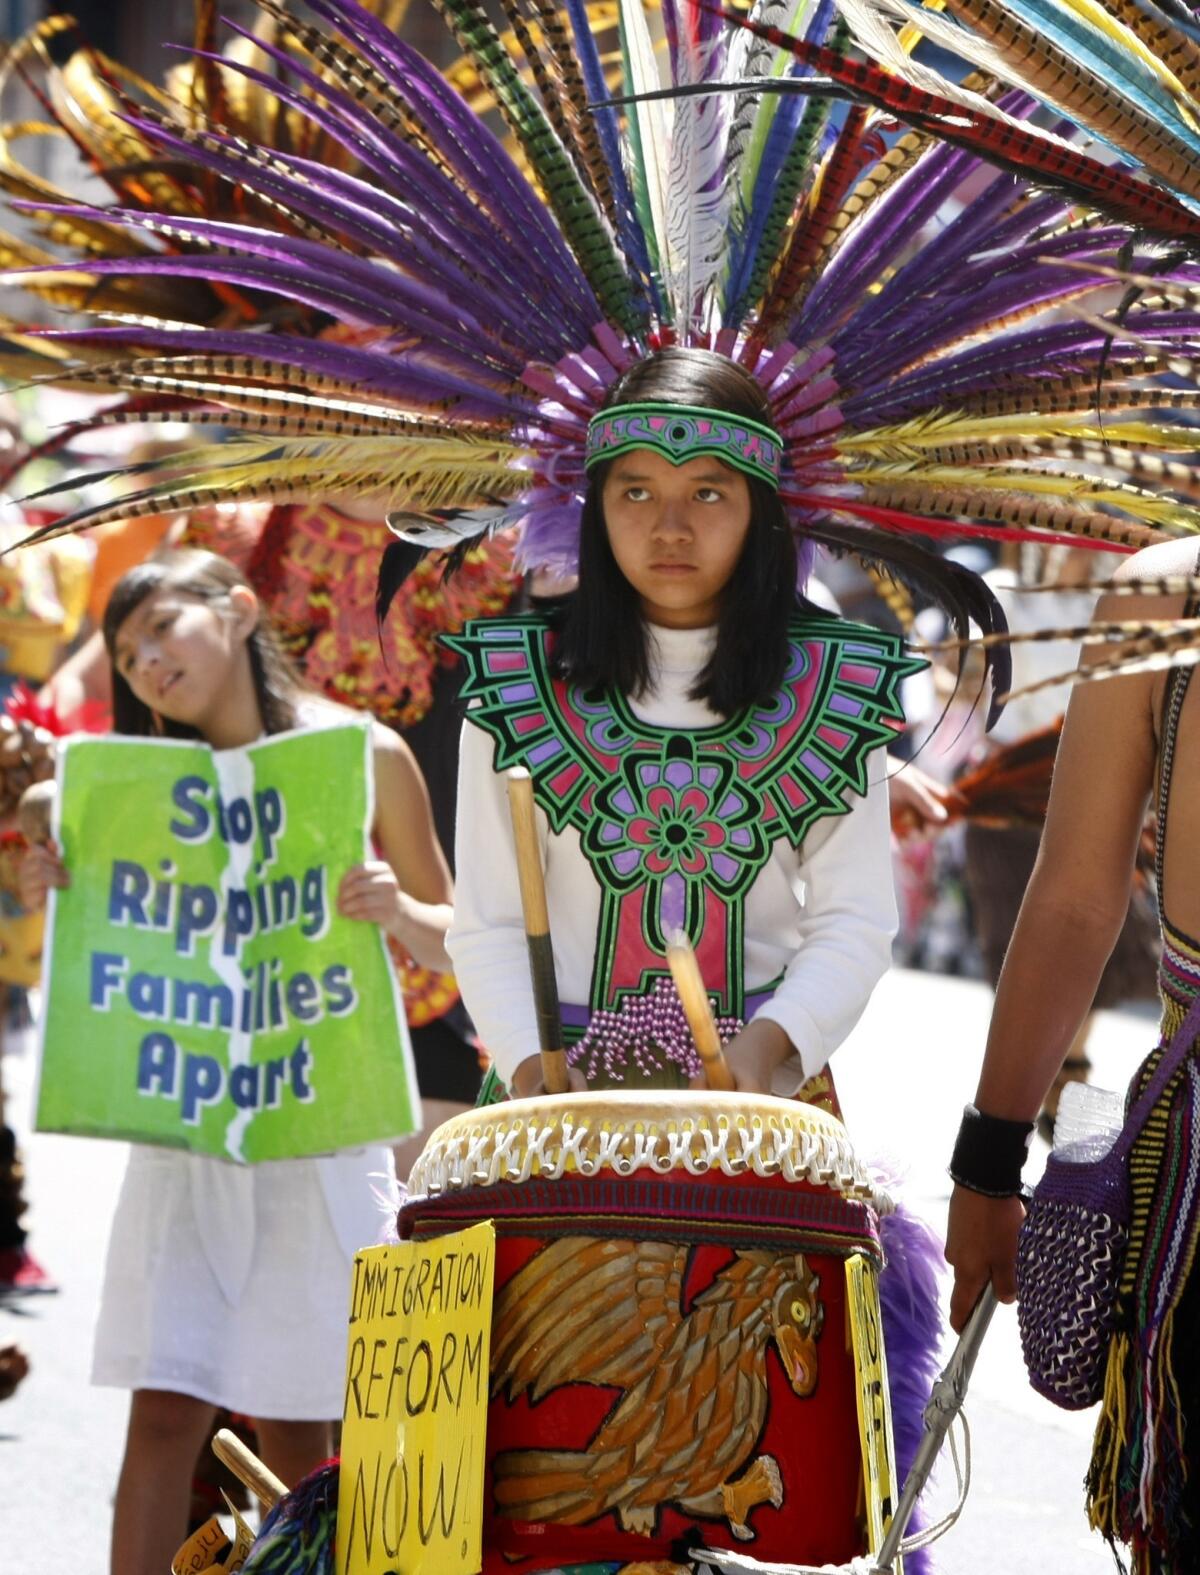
{"x": 422, "y": 474}
{"x": 1177, "y": 519}
{"x": 907, "y": 439}
{"x": 1015, "y": 510}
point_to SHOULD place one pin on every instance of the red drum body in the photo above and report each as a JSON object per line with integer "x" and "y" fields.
{"x": 671, "y": 1363}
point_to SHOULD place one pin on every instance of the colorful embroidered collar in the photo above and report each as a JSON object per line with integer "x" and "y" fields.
{"x": 683, "y": 432}
{"x": 677, "y": 824}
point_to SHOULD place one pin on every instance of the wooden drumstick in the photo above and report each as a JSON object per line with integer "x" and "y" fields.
{"x": 247, "y": 1468}
{"x": 685, "y": 971}
{"x": 537, "y": 931}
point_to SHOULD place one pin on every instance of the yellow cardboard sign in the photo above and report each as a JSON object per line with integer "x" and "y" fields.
{"x": 874, "y": 1403}
{"x": 410, "y": 1485}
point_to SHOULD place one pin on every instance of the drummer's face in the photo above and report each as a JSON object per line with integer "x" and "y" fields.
{"x": 677, "y": 532}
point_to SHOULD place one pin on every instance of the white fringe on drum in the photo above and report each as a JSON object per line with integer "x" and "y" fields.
{"x": 526, "y": 1138}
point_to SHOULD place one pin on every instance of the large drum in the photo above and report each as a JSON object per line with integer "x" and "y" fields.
{"x": 672, "y": 1361}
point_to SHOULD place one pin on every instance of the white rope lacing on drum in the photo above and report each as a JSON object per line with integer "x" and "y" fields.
{"x": 738, "y": 1564}
{"x": 482, "y": 1154}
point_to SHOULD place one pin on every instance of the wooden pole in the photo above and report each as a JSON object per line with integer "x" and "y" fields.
{"x": 247, "y": 1468}
{"x": 537, "y": 931}
{"x": 685, "y": 971}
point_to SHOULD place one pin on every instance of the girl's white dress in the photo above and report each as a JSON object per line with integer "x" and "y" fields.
{"x": 232, "y": 1283}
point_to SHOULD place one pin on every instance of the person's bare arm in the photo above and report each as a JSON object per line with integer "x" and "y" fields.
{"x": 408, "y": 891}
{"x": 1073, "y": 910}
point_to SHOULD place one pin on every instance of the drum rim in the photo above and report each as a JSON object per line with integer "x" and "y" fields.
{"x": 660, "y": 1131}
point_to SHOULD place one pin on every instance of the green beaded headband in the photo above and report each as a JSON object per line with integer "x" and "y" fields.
{"x": 683, "y": 432}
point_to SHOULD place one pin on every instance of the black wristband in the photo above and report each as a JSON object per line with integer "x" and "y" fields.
{"x": 989, "y": 1154}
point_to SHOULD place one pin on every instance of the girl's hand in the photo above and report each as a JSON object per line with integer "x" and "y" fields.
{"x": 981, "y": 1245}
{"x": 527, "y": 1079}
{"x": 371, "y": 893}
{"x": 41, "y": 868}
{"x": 753, "y": 1056}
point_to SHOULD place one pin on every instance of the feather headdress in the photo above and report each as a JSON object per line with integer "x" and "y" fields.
{"x": 937, "y": 319}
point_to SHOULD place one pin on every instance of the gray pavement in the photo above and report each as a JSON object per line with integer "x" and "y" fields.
{"x": 904, "y": 1076}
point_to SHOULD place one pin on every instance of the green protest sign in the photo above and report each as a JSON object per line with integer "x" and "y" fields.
{"x": 201, "y": 991}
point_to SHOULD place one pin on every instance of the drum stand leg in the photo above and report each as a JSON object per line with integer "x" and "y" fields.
{"x": 944, "y": 1404}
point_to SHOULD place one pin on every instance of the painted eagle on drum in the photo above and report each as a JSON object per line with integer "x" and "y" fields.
{"x": 610, "y": 1312}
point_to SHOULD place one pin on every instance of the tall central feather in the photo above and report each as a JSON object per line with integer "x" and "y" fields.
{"x": 648, "y": 132}
{"x": 697, "y": 186}
{"x": 751, "y": 57}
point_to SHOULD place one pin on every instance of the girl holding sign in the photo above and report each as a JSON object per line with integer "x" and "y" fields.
{"x": 226, "y": 1285}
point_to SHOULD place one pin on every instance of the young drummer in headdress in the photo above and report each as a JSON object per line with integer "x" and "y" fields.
{"x": 707, "y": 752}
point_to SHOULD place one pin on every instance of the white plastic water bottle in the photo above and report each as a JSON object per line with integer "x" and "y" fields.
{"x": 1088, "y": 1122}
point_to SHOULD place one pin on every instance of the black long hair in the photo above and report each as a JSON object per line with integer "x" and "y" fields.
{"x": 208, "y": 578}
{"x": 601, "y": 637}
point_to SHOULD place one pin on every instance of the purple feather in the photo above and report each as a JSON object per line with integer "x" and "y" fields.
{"x": 318, "y": 276}
{"x": 1056, "y": 349}
{"x": 980, "y": 227}
{"x": 888, "y": 225}
{"x": 370, "y": 218}
{"x": 550, "y": 535}
{"x": 992, "y": 297}
{"x": 878, "y": 331}
{"x": 912, "y": 1338}
{"x": 806, "y": 557}
{"x": 525, "y": 299}
{"x": 405, "y": 376}
{"x": 388, "y": 156}
{"x": 387, "y": 227}
{"x": 495, "y": 175}
{"x": 380, "y": 150}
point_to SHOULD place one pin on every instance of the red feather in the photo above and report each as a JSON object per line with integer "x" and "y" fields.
{"x": 851, "y": 154}
{"x": 923, "y": 525}
{"x": 1011, "y": 787}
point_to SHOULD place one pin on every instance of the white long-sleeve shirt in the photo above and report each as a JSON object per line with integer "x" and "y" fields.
{"x": 822, "y": 915}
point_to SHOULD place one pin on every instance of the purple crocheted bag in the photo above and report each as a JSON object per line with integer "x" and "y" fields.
{"x": 1071, "y": 1250}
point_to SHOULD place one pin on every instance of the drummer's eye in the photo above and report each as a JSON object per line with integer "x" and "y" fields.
{"x": 801, "y": 1315}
